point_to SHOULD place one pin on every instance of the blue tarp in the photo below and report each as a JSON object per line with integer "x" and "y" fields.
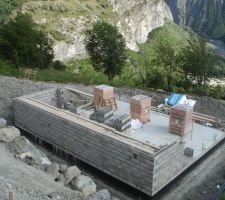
{"x": 174, "y": 99}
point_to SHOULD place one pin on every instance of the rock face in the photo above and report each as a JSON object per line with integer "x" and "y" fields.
{"x": 136, "y": 19}
{"x": 73, "y": 28}
{"x": 204, "y": 16}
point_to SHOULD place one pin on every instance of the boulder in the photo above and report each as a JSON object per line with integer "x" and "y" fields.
{"x": 71, "y": 173}
{"x": 8, "y": 134}
{"x": 3, "y": 122}
{"x": 62, "y": 168}
{"x": 100, "y": 195}
{"x": 53, "y": 169}
{"x": 84, "y": 184}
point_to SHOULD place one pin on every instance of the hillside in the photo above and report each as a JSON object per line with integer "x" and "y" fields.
{"x": 203, "y": 16}
{"x": 66, "y": 20}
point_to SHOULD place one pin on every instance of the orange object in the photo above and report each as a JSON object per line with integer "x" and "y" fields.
{"x": 181, "y": 119}
{"x": 101, "y": 94}
{"x": 140, "y": 107}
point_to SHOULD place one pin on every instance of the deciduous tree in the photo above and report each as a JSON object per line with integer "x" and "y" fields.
{"x": 106, "y": 48}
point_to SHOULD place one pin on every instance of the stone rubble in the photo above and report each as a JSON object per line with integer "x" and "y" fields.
{"x": 84, "y": 184}
{"x": 8, "y": 134}
{"x": 22, "y": 149}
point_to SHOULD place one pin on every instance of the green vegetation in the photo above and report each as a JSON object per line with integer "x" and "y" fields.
{"x": 106, "y": 48}
{"x": 24, "y": 44}
{"x": 198, "y": 61}
{"x": 159, "y": 64}
{"x": 7, "y": 7}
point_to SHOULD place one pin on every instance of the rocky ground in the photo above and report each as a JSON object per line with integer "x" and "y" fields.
{"x": 37, "y": 182}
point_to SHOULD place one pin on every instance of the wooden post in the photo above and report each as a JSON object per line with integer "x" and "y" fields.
{"x": 10, "y": 196}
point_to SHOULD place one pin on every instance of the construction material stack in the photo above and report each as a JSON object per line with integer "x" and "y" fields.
{"x": 104, "y": 97}
{"x": 181, "y": 119}
{"x": 120, "y": 123}
{"x": 140, "y": 107}
{"x": 101, "y": 114}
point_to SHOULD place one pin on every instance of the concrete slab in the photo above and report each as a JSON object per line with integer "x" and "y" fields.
{"x": 156, "y": 132}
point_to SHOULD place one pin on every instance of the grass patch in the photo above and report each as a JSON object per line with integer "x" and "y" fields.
{"x": 52, "y": 75}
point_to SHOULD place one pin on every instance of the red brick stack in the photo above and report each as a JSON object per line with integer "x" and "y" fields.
{"x": 101, "y": 93}
{"x": 140, "y": 107}
{"x": 181, "y": 119}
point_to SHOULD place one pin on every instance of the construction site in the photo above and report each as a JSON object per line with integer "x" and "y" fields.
{"x": 142, "y": 145}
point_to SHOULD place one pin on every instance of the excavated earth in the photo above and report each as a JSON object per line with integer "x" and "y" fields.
{"x": 200, "y": 183}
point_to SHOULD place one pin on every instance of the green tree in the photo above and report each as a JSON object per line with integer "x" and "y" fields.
{"x": 198, "y": 61}
{"x": 148, "y": 74}
{"x": 23, "y": 43}
{"x": 169, "y": 59}
{"x": 106, "y": 48}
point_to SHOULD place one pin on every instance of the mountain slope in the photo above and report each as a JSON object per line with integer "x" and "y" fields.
{"x": 66, "y": 20}
{"x": 206, "y": 17}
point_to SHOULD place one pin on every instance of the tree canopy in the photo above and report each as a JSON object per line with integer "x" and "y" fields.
{"x": 198, "y": 61}
{"x": 23, "y": 43}
{"x": 167, "y": 57}
{"x": 106, "y": 48}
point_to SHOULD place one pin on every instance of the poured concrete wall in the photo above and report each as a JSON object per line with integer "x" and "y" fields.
{"x": 135, "y": 163}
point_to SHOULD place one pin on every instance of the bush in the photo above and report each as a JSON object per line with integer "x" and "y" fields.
{"x": 217, "y": 92}
{"x": 58, "y": 65}
{"x": 25, "y": 44}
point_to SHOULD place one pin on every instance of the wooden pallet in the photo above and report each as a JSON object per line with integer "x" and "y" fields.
{"x": 111, "y": 102}
{"x": 198, "y": 117}
{"x": 88, "y": 106}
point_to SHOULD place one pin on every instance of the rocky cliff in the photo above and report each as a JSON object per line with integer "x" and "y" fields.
{"x": 67, "y": 20}
{"x": 136, "y": 19}
{"x": 206, "y": 17}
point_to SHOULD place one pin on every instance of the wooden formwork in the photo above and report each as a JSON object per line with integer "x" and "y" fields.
{"x": 143, "y": 166}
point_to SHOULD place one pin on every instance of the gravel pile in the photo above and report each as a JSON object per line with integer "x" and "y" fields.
{"x": 11, "y": 88}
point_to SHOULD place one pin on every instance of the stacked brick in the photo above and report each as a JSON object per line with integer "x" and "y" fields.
{"x": 101, "y": 114}
{"x": 102, "y": 93}
{"x": 140, "y": 107}
{"x": 120, "y": 123}
{"x": 181, "y": 119}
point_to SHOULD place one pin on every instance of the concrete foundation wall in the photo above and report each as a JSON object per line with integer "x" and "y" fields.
{"x": 130, "y": 161}
{"x": 108, "y": 155}
{"x": 167, "y": 164}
